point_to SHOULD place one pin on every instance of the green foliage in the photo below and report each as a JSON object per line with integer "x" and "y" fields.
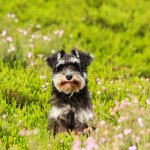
{"x": 116, "y": 32}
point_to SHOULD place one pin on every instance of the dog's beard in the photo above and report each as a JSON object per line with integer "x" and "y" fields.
{"x": 62, "y": 85}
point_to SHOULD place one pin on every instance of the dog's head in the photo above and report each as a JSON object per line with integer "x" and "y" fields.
{"x": 69, "y": 70}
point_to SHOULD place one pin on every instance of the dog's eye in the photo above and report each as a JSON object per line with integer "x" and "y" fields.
{"x": 60, "y": 67}
{"x": 75, "y": 65}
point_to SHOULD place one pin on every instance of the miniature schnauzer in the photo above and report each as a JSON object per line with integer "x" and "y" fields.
{"x": 71, "y": 106}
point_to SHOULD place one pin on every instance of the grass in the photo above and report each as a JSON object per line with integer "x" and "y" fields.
{"x": 116, "y": 32}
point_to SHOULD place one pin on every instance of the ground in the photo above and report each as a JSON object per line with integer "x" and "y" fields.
{"x": 116, "y": 32}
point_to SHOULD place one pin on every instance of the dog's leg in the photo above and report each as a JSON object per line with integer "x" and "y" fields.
{"x": 59, "y": 128}
{"x": 51, "y": 123}
{"x": 80, "y": 128}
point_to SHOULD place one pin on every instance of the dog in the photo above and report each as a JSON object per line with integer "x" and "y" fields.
{"x": 71, "y": 105}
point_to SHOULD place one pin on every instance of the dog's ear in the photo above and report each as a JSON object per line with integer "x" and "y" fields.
{"x": 52, "y": 60}
{"x": 85, "y": 58}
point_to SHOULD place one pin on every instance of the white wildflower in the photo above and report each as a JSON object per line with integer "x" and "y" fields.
{"x": 4, "y": 116}
{"x": 4, "y": 32}
{"x": 29, "y": 55}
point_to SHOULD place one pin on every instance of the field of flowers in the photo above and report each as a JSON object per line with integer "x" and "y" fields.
{"x": 116, "y": 32}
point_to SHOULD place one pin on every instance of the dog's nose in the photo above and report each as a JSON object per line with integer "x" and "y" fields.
{"x": 68, "y": 76}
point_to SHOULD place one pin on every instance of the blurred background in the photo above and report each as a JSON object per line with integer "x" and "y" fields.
{"x": 116, "y": 32}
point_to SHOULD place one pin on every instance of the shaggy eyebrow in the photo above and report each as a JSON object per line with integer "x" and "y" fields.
{"x": 74, "y": 60}
{"x": 72, "y": 63}
{"x": 60, "y": 62}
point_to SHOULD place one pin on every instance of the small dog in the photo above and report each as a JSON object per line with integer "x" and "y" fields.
{"x": 71, "y": 105}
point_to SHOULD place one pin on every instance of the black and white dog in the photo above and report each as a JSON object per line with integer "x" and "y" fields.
{"x": 71, "y": 105}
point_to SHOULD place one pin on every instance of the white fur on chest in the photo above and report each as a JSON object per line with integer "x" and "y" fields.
{"x": 81, "y": 115}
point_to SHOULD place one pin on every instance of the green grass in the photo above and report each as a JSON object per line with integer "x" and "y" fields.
{"x": 116, "y": 32}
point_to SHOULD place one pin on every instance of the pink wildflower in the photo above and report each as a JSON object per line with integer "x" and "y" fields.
{"x": 135, "y": 101}
{"x": 22, "y": 132}
{"x": 137, "y": 139}
{"x": 33, "y": 36}
{"x": 148, "y": 101}
{"x": 120, "y": 135}
{"x": 103, "y": 140}
{"x": 9, "y": 39}
{"x": 46, "y": 38}
{"x": 90, "y": 144}
{"x": 125, "y": 103}
{"x": 102, "y": 123}
{"x": 132, "y": 147}
{"x": 140, "y": 122}
{"x": 127, "y": 131}
{"x": 76, "y": 145}
{"x": 99, "y": 82}
{"x": 29, "y": 55}
{"x": 122, "y": 118}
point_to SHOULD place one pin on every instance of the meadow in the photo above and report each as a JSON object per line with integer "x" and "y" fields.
{"x": 116, "y": 32}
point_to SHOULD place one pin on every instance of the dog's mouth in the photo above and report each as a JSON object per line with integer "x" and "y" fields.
{"x": 74, "y": 82}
